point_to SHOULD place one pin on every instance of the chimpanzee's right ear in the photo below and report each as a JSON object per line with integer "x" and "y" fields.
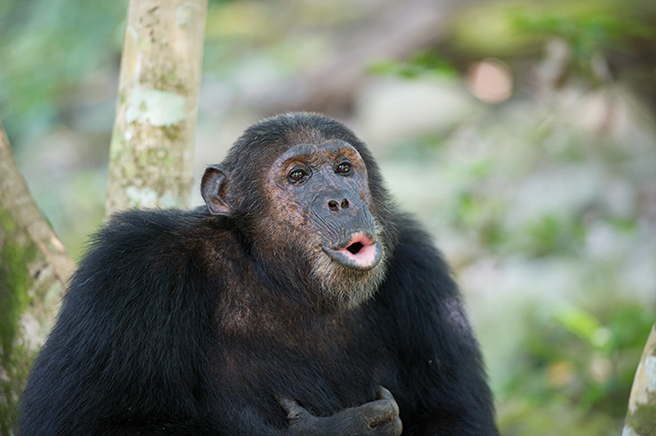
{"x": 213, "y": 188}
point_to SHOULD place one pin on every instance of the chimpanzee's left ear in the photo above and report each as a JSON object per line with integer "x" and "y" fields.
{"x": 213, "y": 188}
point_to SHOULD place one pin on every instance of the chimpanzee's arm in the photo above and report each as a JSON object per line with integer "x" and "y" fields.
{"x": 127, "y": 354}
{"x": 376, "y": 418}
{"x": 442, "y": 385}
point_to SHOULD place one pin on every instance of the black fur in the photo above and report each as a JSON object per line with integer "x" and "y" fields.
{"x": 175, "y": 325}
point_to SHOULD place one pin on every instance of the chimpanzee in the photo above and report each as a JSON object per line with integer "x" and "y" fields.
{"x": 300, "y": 301}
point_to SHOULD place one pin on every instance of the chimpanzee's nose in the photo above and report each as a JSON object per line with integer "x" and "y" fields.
{"x": 335, "y": 205}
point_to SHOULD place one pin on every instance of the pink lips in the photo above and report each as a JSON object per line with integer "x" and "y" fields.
{"x": 360, "y": 252}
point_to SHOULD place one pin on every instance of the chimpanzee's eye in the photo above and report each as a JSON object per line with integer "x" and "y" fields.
{"x": 298, "y": 175}
{"x": 344, "y": 168}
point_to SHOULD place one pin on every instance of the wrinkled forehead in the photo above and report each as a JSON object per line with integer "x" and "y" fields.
{"x": 313, "y": 152}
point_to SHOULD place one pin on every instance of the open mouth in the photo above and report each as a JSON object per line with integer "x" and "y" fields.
{"x": 361, "y": 252}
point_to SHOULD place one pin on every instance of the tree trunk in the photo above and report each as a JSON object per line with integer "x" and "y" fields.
{"x": 34, "y": 268}
{"x": 151, "y": 152}
{"x": 641, "y": 418}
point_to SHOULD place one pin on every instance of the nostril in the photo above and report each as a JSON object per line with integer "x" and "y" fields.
{"x": 345, "y": 204}
{"x": 333, "y": 205}
{"x": 355, "y": 247}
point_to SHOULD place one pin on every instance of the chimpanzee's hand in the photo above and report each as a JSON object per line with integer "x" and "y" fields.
{"x": 377, "y": 418}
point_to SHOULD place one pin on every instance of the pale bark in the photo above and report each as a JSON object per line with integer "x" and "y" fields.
{"x": 641, "y": 417}
{"x": 152, "y": 144}
{"x": 34, "y": 268}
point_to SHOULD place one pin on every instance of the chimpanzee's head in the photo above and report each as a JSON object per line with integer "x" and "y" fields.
{"x": 308, "y": 195}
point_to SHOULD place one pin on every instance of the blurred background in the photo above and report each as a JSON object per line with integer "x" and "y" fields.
{"x": 520, "y": 132}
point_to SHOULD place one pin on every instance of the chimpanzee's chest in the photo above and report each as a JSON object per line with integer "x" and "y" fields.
{"x": 325, "y": 366}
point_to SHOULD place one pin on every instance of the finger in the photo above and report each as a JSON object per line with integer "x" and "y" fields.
{"x": 293, "y": 409}
{"x": 383, "y": 394}
{"x": 390, "y": 428}
{"x": 386, "y": 396}
{"x": 380, "y": 411}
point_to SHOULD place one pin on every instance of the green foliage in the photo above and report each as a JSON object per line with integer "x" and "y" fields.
{"x": 421, "y": 63}
{"x": 46, "y": 47}
{"x": 583, "y": 325}
{"x": 581, "y": 363}
{"x": 551, "y": 234}
{"x": 587, "y": 33}
{"x": 522, "y": 417}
